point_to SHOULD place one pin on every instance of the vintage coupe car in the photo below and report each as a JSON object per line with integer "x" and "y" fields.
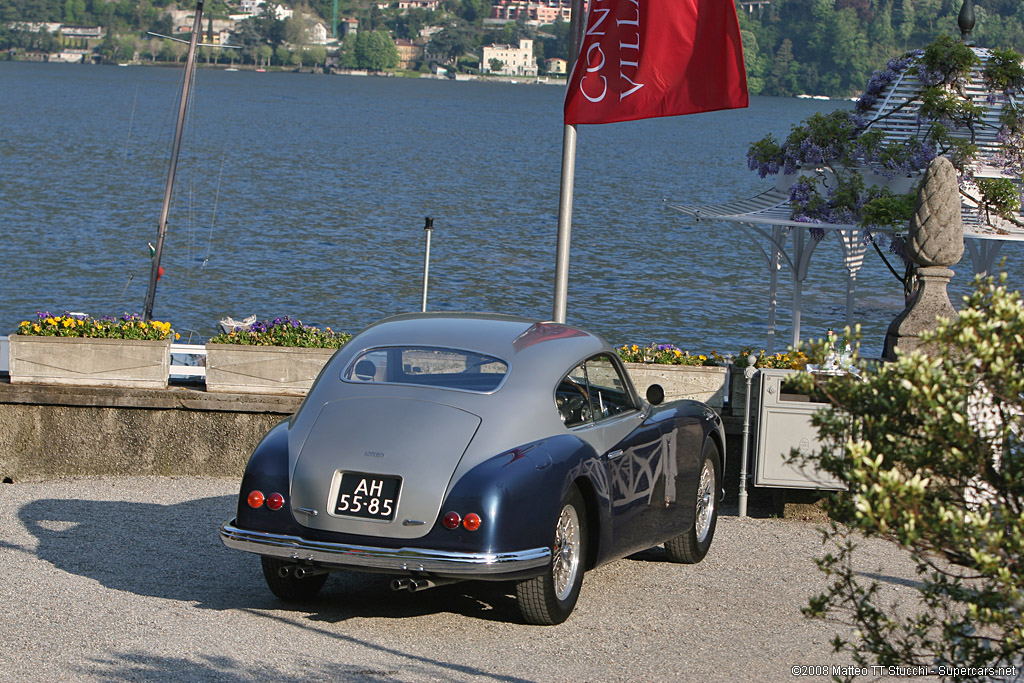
{"x": 445, "y": 447}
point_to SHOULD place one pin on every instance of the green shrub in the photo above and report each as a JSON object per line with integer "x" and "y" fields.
{"x": 931, "y": 449}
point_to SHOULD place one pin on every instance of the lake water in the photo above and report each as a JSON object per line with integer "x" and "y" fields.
{"x": 305, "y": 195}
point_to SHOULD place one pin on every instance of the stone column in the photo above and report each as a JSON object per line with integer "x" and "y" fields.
{"x": 935, "y": 242}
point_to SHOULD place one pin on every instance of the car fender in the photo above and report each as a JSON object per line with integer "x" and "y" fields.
{"x": 518, "y": 493}
{"x": 267, "y": 471}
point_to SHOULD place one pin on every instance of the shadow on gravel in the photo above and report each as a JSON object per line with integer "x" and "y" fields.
{"x": 174, "y": 552}
{"x": 136, "y": 666}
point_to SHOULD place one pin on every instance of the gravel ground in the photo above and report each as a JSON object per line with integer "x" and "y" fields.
{"x": 126, "y": 579}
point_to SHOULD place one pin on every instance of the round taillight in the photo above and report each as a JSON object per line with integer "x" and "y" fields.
{"x": 451, "y": 520}
{"x": 471, "y": 522}
{"x": 275, "y": 501}
{"x": 255, "y": 499}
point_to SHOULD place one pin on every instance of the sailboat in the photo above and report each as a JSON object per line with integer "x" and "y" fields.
{"x": 186, "y": 90}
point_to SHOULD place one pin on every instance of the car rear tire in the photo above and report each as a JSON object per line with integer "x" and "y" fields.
{"x": 550, "y": 598}
{"x": 290, "y": 587}
{"x": 691, "y": 546}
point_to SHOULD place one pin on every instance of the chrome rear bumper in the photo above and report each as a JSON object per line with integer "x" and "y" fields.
{"x": 397, "y": 560}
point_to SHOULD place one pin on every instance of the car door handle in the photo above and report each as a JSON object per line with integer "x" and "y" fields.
{"x": 614, "y": 454}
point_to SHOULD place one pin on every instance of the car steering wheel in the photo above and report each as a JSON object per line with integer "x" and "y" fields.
{"x": 575, "y": 409}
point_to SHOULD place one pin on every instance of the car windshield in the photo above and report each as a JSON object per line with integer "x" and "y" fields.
{"x": 425, "y": 366}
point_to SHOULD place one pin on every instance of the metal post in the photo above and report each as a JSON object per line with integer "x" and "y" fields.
{"x": 564, "y": 224}
{"x": 428, "y": 227}
{"x": 577, "y": 25}
{"x": 186, "y": 88}
{"x": 748, "y": 375}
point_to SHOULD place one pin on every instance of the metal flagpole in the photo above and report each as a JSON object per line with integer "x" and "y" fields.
{"x": 154, "y": 274}
{"x": 428, "y": 228}
{"x": 577, "y": 23}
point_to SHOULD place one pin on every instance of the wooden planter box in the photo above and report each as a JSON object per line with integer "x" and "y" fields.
{"x": 89, "y": 362}
{"x": 263, "y": 369}
{"x": 701, "y": 383}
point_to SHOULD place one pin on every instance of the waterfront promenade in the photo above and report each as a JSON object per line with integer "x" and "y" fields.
{"x": 124, "y": 578}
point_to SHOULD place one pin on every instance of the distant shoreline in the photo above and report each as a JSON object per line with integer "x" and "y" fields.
{"x": 527, "y": 80}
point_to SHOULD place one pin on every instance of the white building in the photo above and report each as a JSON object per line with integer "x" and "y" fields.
{"x": 317, "y": 34}
{"x": 254, "y": 7}
{"x": 515, "y": 61}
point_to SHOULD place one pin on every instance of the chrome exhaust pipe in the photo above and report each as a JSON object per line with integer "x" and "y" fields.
{"x": 298, "y": 571}
{"x": 306, "y": 572}
{"x": 401, "y": 584}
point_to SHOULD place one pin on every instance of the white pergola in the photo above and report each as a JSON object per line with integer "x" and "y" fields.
{"x": 789, "y": 242}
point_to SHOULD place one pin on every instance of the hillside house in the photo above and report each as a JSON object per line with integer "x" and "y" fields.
{"x": 347, "y": 26}
{"x": 555, "y": 65}
{"x": 532, "y": 12}
{"x": 515, "y": 61}
{"x": 409, "y": 53}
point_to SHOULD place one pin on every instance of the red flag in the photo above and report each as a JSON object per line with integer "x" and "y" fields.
{"x": 645, "y": 58}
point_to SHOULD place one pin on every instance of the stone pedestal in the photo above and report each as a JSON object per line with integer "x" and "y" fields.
{"x": 935, "y": 242}
{"x": 929, "y": 304}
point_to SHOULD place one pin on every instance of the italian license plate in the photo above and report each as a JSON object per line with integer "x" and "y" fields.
{"x": 370, "y": 496}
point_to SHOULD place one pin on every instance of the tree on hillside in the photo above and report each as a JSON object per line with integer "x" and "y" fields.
{"x": 314, "y": 56}
{"x": 753, "y": 63}
{"x": 375, "y": 50}
{"x": 783, "y": 78}
{"x": 453, "y": 42}
{"x": 295, "y": 30}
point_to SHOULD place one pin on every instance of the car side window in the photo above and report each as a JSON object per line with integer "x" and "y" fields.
{"x": 572, "y": 398}
{"x": 592, "y": 391}
{"x": 608, "y": 393}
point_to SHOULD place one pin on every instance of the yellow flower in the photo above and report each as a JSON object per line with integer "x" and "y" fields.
{"x": 177, "y": 336}
{"x": 142, "y": 325}
{"x": 635, "y": 348}
{"x": 37, "y": 328}
{"x": 702, "y": 357}
{"x": 677, "y": 352}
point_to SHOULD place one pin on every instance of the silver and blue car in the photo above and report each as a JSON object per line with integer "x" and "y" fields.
{"x": 445, "y": 447}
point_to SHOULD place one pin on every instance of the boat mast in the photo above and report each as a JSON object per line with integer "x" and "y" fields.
{"x": 186, "y": 88}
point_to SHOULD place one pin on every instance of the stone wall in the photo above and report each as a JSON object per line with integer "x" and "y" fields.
{"x": 50, "y": 432}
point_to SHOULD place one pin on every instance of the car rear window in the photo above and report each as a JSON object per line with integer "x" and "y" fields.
{"x": 427, "y": 366}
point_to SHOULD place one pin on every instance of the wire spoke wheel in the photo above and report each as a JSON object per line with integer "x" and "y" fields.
{"x": 550, "y": 598}
{"x": 706, "y": 503}
{"x": 692, "y": 545}
{"x": 566, "y": 560}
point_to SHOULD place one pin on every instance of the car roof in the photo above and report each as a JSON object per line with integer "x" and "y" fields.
{"x": 526, "y": 344}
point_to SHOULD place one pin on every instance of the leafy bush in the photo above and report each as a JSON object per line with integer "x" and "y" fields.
{"x": 932, "y": 450}
{"x": 283, "y": 332}
{"x": 128, "y": 326}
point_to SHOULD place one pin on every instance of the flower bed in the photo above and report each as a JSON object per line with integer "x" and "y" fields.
{"x": 283, "y": 331}
{"x": 127, "y": 326}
